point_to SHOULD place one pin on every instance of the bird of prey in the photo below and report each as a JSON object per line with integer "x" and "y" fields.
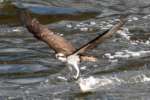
{"x": 65, "y": 51}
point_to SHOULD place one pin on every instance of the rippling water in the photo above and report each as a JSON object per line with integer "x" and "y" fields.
{"x": 29, "y": 70}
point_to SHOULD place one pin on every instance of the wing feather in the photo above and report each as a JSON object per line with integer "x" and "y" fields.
{"x": 56, "y": 42}
{"x": 101, "y": 38}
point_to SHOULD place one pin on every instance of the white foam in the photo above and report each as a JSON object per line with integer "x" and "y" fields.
{"x": 135, "y": 18}
{"x": 81, "y": 24}
{"x": 136, "y": 42}
{"x": 16, "y": 30}
{"x": 62, "y": 78}
{"x": 127, "y": 54}
{"x": 83, "y": 67}
{"x": 132, "y": 18}
{"x": 137, "y": 53}
{"x": 91, "y": 83}
{"x": 146, "y": 17}
{"x": 83, "y": 29}
{"x": 92, "y": 23}
{"x": 69, "y": 26}
{"x": 147, "y": 42}
{"x": 108, "y": 55}
{"x": 139, "y": 79}
{"x": 124, "y": 33}
{"x": 113, "y": 60}
{"x": 108, "y": 26}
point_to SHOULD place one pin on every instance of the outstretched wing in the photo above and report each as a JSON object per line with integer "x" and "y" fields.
{"x": 99, "y": 39}
{"x": 56, "y": 42}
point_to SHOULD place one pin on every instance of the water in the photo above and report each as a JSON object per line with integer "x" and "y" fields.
{"x": 29, "y": 70}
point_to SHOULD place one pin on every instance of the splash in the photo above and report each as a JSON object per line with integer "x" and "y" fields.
{"x": 126, "y": 54}
{"x": 107, "y": 82}
{"x": 92, "y": 84}
{"x": 141, "y": 78}
{"x": 124, "y": 33}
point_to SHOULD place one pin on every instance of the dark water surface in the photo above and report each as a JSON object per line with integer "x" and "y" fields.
{"x": 29, "y": 70}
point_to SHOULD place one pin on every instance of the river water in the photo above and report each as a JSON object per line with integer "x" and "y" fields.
{"x": 30, "y": 71}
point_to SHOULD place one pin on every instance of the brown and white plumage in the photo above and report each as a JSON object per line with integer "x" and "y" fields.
{"x": 65, "y": 51}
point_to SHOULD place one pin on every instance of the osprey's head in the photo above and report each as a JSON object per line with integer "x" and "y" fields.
{"x": 61, "y": 57}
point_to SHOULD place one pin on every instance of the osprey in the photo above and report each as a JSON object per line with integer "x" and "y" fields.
{"x": 65, "y": 51}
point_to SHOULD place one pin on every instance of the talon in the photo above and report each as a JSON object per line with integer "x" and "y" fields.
{"x": 73, "y": 61}
{"x": 77, "y": 72}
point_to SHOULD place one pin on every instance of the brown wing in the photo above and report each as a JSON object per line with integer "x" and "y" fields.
{"x": 56, "y": 42}
{"x": 99, "y": 39}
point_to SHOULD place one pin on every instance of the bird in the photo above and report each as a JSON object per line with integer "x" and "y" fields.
{"x": 64, "y": 49}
